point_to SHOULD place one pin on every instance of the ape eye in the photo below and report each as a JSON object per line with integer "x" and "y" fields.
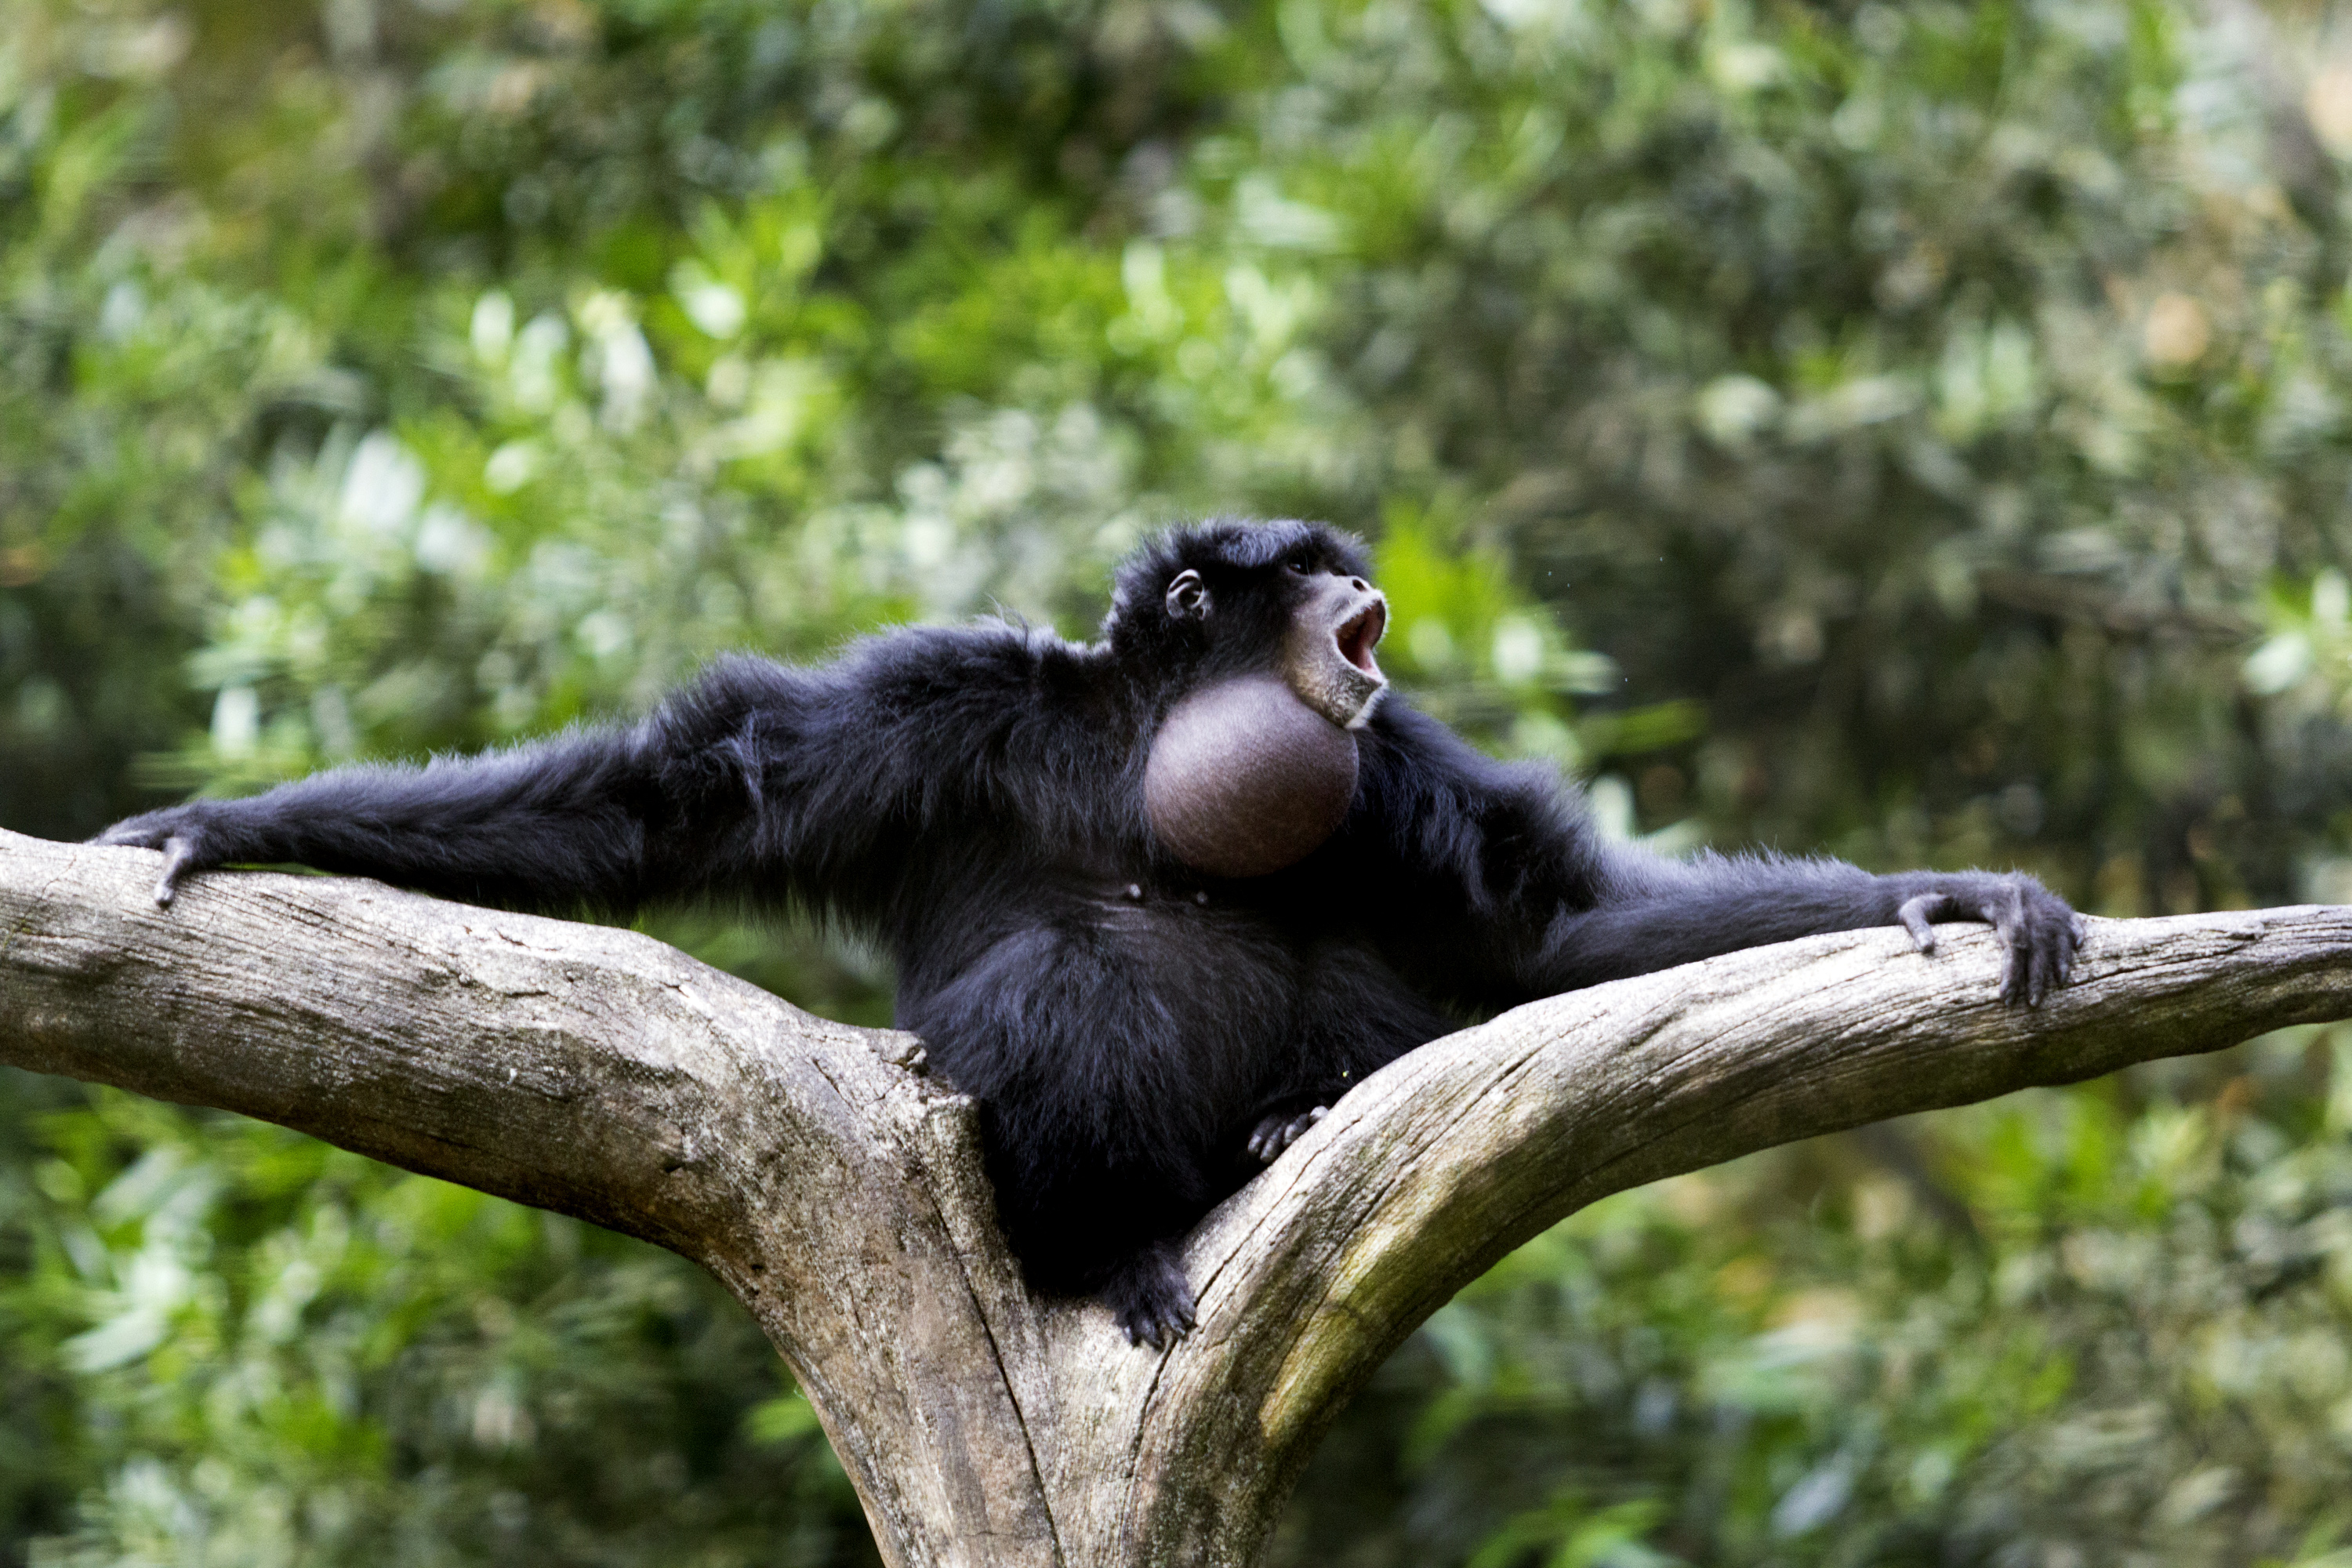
{"x": 1302, "y": 564}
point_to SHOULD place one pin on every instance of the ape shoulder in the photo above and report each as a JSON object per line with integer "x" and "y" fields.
{"x": 924, "y": 696}
{"x": 1419, "y": 776}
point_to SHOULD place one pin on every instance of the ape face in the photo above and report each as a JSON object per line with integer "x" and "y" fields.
{"x": 1231, "y": 600}
{"x": 1336, "y": 621}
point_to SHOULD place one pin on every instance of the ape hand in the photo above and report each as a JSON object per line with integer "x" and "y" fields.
{"x": 191, "y": 837}
{"x": 2037, "y": 927}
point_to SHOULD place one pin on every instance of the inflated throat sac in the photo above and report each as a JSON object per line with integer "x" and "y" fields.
{"x": 1244, "y": 779}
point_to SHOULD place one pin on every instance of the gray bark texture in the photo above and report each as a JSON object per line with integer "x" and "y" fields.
{"x": 840, "y": 1195}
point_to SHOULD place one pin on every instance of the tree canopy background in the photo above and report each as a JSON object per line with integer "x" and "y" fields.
{"x": 1922, "y": 433}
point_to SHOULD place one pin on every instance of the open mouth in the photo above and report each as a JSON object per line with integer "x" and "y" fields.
{"x": 1360, "y": 634}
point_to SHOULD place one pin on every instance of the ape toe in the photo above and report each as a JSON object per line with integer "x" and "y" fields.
{"x": 1151, "y": 1300}
{"x": 1278, "y": 1132}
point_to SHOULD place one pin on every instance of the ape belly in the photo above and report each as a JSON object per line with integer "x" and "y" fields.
{"x": 1122, "y": 1047}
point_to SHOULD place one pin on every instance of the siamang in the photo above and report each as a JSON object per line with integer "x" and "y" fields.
{"x": 1156, "y": 900}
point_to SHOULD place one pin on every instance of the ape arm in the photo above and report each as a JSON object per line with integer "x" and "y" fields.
{"x": 1536, "y": 902}
{"x": 757, "y": 780}
{"x": 568, "y": 822}
{"x": 1656, "y": 913}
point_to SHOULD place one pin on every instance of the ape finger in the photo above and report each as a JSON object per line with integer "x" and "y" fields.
{"x": 177, "y": 853}
{"x": 2061, "y": 955}
{"x": 2044, "y": 973}
{"x": 2005, "y": 911}
{"x": 2017, "y": 965}
{"x": 1914, "y": 915}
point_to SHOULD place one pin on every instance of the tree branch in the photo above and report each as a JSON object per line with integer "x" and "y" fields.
{"x": 603, "y": 1075}
{"x": 1440, "y": 1164}
{"x": 588, "y": 1070}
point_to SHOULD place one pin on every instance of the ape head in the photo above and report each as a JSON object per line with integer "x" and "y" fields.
{"x": 1261, "y": 637}
{"x": 1225, "y": 600}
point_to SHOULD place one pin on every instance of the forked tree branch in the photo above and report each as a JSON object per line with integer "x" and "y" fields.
{"x": 840, "y": 1195}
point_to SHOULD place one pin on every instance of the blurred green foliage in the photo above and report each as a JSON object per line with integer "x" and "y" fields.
{"x": 1919, "y": 432}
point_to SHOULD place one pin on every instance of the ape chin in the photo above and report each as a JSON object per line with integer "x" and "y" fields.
{"x": 1156, "y": 900}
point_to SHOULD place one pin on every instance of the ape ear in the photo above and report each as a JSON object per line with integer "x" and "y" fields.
{"x": 1188, "y": 597}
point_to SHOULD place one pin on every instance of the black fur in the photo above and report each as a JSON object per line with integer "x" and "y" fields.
{"x": 1134, "y": 1032}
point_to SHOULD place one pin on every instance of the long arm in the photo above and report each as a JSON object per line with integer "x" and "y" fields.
{"x": 756, "y": 780}
{"x": 1535, "y": 902}
{"x": 1656, "y": 913}
{"x": 600, "y": 818}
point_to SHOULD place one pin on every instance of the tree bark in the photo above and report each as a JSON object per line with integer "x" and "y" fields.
{"x": 840, "y": 1194}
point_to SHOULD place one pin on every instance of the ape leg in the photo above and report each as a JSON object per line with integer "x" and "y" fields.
{"x": 1096, "y": 1125}
{"x": 1083, "y": 1224}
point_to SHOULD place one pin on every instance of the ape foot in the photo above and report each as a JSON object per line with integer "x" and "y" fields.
{"x": 2037, "y": 928}
{"x": 1278, "y": 1132}
{"x": 1151, "y": 1298}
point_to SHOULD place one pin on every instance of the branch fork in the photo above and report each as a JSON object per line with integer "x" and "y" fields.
{"x": 840, "y": 1193}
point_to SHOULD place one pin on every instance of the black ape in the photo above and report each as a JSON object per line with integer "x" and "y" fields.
{"x": 1150, "y": 964}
